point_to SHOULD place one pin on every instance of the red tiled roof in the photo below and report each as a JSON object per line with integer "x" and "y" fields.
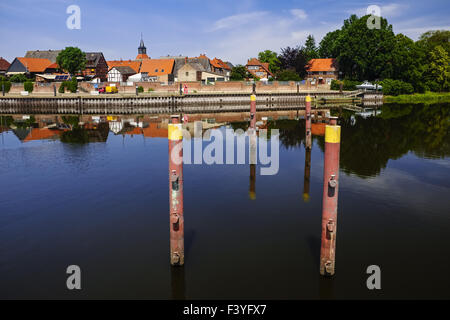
{"x": 256, "y": 62}
{"x": 142, "y": 56}
{"x": 154, "y": 131}
{"x": 35, "y": 64}
{"x": 135, "y": 65}
{"x": 315, "y": 65}
{"x": 4, "y": 65}
{"x": 53, "y": 66}
{"x": 155, "y": 67}
{"x": 41, "y": 134}
{"x": 217, "y": 63}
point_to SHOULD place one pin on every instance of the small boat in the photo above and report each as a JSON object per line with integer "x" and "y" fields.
{"x": 368, "y": 86}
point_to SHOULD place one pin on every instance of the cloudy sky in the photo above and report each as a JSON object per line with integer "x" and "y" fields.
{"x": 233, "y": 30}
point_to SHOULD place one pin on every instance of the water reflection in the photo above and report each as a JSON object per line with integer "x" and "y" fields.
{"x": 370, "y": 137}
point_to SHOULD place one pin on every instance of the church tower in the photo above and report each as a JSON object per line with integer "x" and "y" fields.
{"x": 142, "y": 51}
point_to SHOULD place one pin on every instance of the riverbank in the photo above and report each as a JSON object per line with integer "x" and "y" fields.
{"x": 428, "y": 98}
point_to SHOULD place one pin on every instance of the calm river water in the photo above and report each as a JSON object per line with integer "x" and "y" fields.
{"x": 100, "y": 200}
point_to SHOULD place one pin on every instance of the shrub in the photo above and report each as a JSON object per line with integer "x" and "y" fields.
{"x": 71, "y": 85}
{"x": 62, "y": 88}
{"x": 347, "y": 85}
{"x": 18, "y": 78}
{"x": 5, "y": 83}
{"x": 28, "y": 86}
{"x": 140, "y": 89}
{"x": 396, "y": 87}
{"x": 150, "y": 89}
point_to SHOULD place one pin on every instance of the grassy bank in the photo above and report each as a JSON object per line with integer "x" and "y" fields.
{"x": 429, "y": 97}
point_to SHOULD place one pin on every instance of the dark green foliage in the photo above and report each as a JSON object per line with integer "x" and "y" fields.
{"x": 294, "y": 59}
{"x": 76, "y": 135}
{"x": 28, "y": 86}
{"x": 140, "y": 89}
{"x": 4, "y": 83}
{"x": 72, "y": 60}
{"x": 239, "y": 72}
{"x": 288, "y": 75}
{"x": 396, "y": 87}
{"x": 271, "y": 58}
{"x": 18, "y": 78}
{"x": 71, "y": 85}
{"x": 347, "y": 85}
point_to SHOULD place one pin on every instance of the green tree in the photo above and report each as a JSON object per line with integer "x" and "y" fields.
{"x": 72, "y": 60}
{"x": 327, "y": 47}
{"x": 288, "y": 75}
{"x": 28, "y": 86}
{"x": 271, "y": 58}
{"x": 294, "y": 59}
{"x": 310, "y": 48}
{"x": 430, "y": 39}
{"x": 438, "y": 69}
{"x": 239, "y": 72}
{"x": 365, "y": 54}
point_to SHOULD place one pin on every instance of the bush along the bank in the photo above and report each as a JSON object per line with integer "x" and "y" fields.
{"x": 4, "y": 84}
{"x": 395, "y": 87}
{"x": 28, "y": 86}
{"x": 18, "y": 78}
{"x": 140, "y": 89}
{"x": 347, "y": 85}
{"x": 71, "y": 85}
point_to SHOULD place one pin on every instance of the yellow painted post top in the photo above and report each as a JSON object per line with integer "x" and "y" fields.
{"x": 333, "y": 134}
{"x": 252, "y": 97}
{"x": 308, "y": 98}
{"x": 175, "y": 131}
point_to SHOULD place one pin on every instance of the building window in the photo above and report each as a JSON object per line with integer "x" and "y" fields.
{"x": 187, "y": 74}
{"x": 162, "y": 70}
{"x": 156, "y": 70}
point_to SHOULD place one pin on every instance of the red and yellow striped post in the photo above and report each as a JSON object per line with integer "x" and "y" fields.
{"x": 308, "y": 136}
{"x": 253, "y": 111}
{"x": 176, "y": 192}
{"x": 330, "y": 197}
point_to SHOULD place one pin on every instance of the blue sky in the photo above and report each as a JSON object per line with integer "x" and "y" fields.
{"x": 233, "y": 30}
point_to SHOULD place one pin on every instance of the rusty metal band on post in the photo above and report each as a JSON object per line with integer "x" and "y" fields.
{"x": 175, "y": 137}
{"x": 330, "y": 199}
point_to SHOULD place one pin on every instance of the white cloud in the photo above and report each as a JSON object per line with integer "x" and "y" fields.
{"x": 386, "y": 11}
{"x": 238, "y": 20}
{"x": 299, "y": 14}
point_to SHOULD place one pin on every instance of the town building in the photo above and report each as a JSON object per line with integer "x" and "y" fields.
{"x": 160, "y": 70}
{"x": 322, "y": 71}
{"x": 96, "y": 66}
{"x": 43, "y": 54}
{"x": 4, "y": 65}
{"x": 258, "y": 69}
{"x": 28, "y": 66}
{"x": 120, "y": 74}
{"x": 133, "y": 64}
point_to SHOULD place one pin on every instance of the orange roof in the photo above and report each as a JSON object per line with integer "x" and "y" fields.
{"x": 135, "y": 130}
{"x": 154, "y": 131}
{"x": 35, "y": 64}
{"x": 135, "y": 65}
{"x": 321, "y": 65}
{"x": 157, "y": 67}
{"x": 142, "y": 56}
{"x": 41, "y": 134}
{"x": 256, "y": 62}
{"x": 217, "y": 63}
{"x": 53, "y": 66}
{"x": 203, "y": 56}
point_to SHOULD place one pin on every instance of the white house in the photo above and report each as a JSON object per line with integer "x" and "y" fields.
{"x": 120, "y": 74}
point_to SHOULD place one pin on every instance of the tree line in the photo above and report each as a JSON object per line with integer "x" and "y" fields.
{"x": 377, "y": 55}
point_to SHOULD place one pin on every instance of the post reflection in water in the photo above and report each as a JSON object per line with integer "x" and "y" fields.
{"x": 394, "y": 163}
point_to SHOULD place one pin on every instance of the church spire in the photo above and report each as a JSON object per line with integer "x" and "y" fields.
{"x": 142, "y": 49}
